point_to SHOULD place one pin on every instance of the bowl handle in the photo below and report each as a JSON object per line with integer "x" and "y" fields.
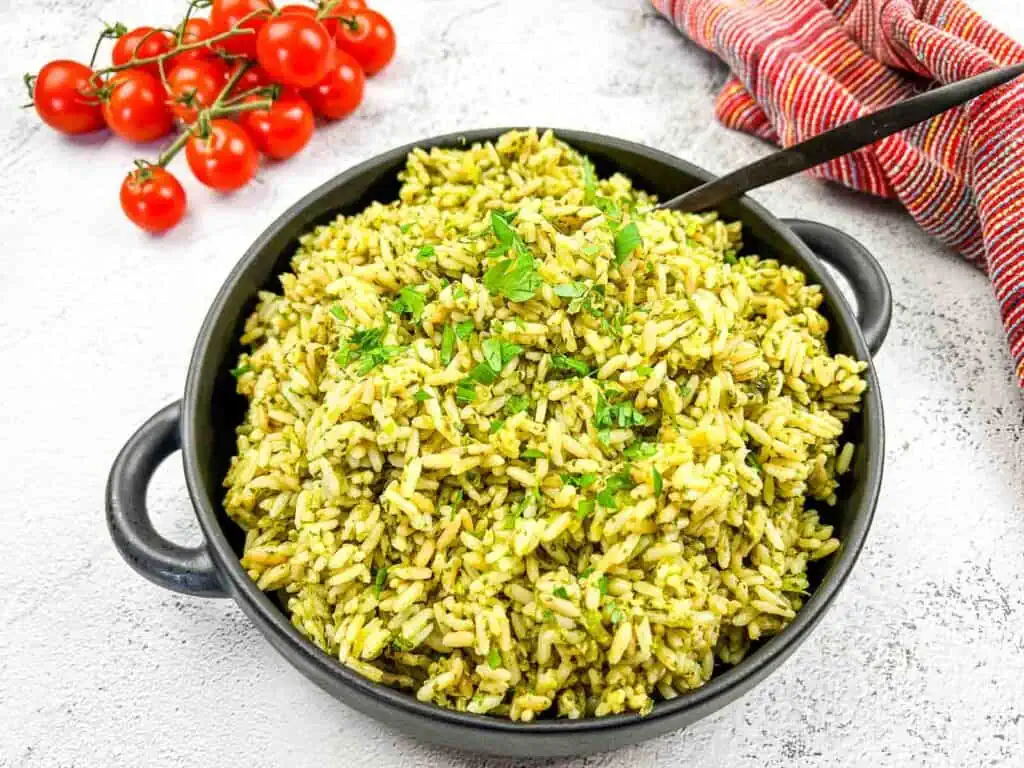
{"x": 865, "y": 275}
{"x": 183, "y": 569}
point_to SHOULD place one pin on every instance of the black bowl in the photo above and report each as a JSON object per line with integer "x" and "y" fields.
{"x": 203, "y": 427}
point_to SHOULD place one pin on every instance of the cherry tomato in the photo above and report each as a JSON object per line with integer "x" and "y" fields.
{"x": 135, "y": 108}
{"x": 341, "y": 91}
{"x": 294, "y": 50}
{"x": 226, "y": 14}
{"x": 370, "y": 39}
{"x": 142, "y": 43}
{"x": 224, "y": 160}
{"x": 63, "y": 97}
{"x": 152, "y": 198}
{"x": 194, "y": 85}
{"x": 196, "y": 30}
{"x": 253, "y": 77}
{"x": 282, "y": 130}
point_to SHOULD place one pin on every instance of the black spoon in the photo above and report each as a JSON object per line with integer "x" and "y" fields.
{"x": 840, "y": 141}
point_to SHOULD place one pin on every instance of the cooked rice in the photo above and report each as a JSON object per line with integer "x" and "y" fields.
{"x": 503, "y": 555}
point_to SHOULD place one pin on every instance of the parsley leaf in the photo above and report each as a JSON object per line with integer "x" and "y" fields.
{"x": 465, "y": 391}
{"x": 405, "y": 228}
{"x": 585, "y": 509}
{"x": 532, "y": 453}
{"x": 339, "y": 314}
{"x": 586, "y": 572}
{"x": 627, "y": 240}
{"x": 751, "y": 461}
{"x": 602, "y": 585}
{"x": 564, "y": 363}
{"x": 447, "y": 344}
{"x": 617, "y": 482}
{"x": 241, "y": 370}
{"x": 729, "y": 257}
{"x": 411, "y": 302}
{"x": 517, "y": 281}
{"x": 616, "y": 615}
{"x": 380, "y": 580}
{"x": 516, "y": 404}
{"x": 494, "y": 659}
{"x": 658, "y": 482}
{"x": 365, "y": 345}
{"x": 620, "y": 414}
{"x": 496, "y": 426}
{"x": 463, "y": 329}
{"x": 640, "y": 450}
{"x": 644, "y": 370}
{"x": 422, "y": 395}
{"x": 561, "y": 592}
{"x": 425, "y": 253}
{"x": 573, "y": 290}
{"x": 579, "y": 481}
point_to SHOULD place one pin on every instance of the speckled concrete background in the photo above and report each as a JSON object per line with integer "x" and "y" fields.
{"x": 921, "y": 661}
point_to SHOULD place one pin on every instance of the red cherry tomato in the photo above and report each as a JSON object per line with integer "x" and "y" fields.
{"x": 152, "y": 198}
{"x": 142, "y": 43}
{"x": 196, "y": 30}
{"x": 294, "y": 50}
{"x": 370, "y": 39}
{"x": 224, "y": 160}
{"x": 63, "y": 97}
{"x": 253, "y": 77}
{"x": 226, "y": 15}
{"x": 194, "y": 85}
{"x": 135, "y": 108}
{"x": 341, "y": 91}
{"x": 282, "y": 130}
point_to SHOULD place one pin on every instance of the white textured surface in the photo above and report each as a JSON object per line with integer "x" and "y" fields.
{"x": 920, "y": 662}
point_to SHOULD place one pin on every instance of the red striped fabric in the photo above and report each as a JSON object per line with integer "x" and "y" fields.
{"x": 801, "y": 67}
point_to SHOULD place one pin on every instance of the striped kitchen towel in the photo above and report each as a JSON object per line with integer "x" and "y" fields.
{"x": 801, "y": 67}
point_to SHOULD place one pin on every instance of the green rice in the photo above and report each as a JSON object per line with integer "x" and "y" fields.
{"x": 522, "y": 446}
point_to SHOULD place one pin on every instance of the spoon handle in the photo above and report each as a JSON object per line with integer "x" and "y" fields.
{"x": 840, "y": 141}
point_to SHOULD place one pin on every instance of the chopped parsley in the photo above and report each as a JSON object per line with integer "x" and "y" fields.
{"x": 591, "y": 250}
{"x": 463, "y": 329}
{"x": 380, "y": 580}
{"x": 516, "y": 404}
{"x": 405, "y": 228}
{"x": 241, "y": 370}
{"x": 339, "y": 314}
{"x": 410, "y": 302}
{"x": 425, "y": 253}
{"x": 602, "y": 585}
{"x": 494, "y": 659}
{"x": 497, "y": 354}
{"x": 399, "y": 643}
{"x": 658, "y": 482}
{"x": 585, "y": 509}
{"x": 422, "y": 395}
{"x": 517, "y": 280}
{"x": 496, "y": 426}
{"x": 366, "y": 345}
{"x": 616, "y": 614}
{"x": 620, "y": 415}
{"x": 561, "y": 592}
{"x": 465, "y": 391}
{"x": 730, "y": 257}
{"x": 579, "y": 481}
{"x": 640, "y": 450}
{"x": 644, "y": 370}
{"x": 586, "y": 572}
{"x": 589, "y": 182}
{"x": 447, "y": 344}
{"x": 573, "y": 290}
{"x": 627, "y": 240}
{"x": 533, "y": 453}
{"x": 571, "y": 364}
{"x": 621, "y": 481}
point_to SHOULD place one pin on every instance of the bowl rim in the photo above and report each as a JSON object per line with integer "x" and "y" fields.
{"x": 316, "y": 663}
